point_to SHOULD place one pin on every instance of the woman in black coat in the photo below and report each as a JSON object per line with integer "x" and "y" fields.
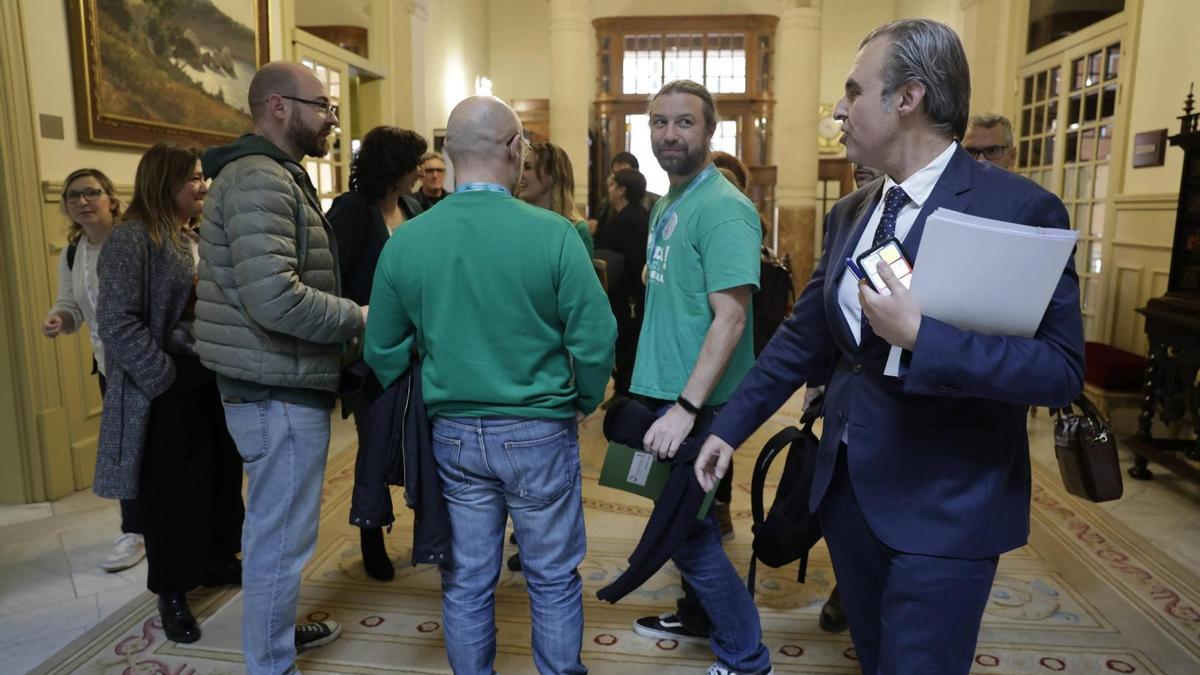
{"x": 379, "y": 201}
{"x": 182, "y": 466}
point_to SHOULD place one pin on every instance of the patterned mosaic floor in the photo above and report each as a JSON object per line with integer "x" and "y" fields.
{"x": 1085, "y": 596}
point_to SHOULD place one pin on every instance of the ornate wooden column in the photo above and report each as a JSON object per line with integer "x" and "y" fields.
{"x": 797, "y": 100}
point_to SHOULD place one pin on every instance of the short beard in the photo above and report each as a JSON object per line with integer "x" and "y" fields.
{"x": 305, "y": 141}
{"x": 688, "y": 163}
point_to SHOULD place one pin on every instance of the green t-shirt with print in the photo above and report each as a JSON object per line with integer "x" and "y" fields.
{"x": 710, "y": 243}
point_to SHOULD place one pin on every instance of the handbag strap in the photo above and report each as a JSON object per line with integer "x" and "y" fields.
{"x": 1086, "y": 406}
{"x": 1089, "y": 408}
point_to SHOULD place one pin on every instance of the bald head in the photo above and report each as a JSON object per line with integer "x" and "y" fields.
{"x": 277, "y": 77}
{"x": 480, "y": 130}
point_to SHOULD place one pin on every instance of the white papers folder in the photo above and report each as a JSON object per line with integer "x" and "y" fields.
{"x": 987, "y": 276}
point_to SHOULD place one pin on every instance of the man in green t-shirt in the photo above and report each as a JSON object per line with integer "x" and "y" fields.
{"x": 702, "y": 267}
{"x": 515, "y": 334}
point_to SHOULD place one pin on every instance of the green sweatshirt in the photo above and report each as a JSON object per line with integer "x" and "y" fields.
{"x": 503, "y": 305}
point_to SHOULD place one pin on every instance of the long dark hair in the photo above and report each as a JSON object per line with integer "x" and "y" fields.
{"x": 161, "y": 172}
{"x": 386, "y": 155}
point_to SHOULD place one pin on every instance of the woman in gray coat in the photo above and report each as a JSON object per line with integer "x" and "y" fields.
{"x": 162, "y": 432}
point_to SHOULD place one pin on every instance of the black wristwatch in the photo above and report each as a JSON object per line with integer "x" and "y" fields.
{"x": 688, "y": 405}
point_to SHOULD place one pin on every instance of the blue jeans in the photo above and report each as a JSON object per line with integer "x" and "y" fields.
{"x": 735, "y": 631}
{"x": 491, "y": 467}
{"x": 284, "y": 446}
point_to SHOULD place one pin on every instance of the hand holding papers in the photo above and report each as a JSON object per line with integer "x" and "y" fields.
{"x": 987, "y": 276}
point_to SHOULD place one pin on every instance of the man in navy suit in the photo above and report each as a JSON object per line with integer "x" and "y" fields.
{"x": 921, "y": 480}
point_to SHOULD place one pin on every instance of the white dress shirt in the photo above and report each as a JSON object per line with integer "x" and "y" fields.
{"x": 918, "y": 187}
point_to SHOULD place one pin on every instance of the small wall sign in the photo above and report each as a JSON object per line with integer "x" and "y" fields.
{"x": 1149, "y": 148}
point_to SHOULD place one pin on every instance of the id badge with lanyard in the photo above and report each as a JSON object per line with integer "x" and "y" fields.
{"x": 665, "y": 225}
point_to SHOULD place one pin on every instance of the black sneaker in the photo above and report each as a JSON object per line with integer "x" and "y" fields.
{"x": 316, "y": 634}
{"x": 667, "y": 626}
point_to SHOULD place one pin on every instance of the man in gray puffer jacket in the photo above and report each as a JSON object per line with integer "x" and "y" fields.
{"x": 271, "y": 323}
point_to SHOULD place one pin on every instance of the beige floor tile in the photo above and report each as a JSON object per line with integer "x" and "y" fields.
{"x": 35, "y": 575}
{"x": 28, "y": 638}
{"x": 21, "y": 513}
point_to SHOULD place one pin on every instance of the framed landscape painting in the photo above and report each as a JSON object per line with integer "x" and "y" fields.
{"x": 147, "y": 71}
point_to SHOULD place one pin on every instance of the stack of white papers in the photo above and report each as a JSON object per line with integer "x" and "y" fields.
{"x": 987, "y": 276}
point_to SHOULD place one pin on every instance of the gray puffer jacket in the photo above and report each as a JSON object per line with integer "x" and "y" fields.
{"x": 268, "y": 309}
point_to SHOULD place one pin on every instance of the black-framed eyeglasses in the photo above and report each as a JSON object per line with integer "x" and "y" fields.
{"x": 325, "y": 107}
{"x": 90, "y": 194}
{"x": 992, "y": 152}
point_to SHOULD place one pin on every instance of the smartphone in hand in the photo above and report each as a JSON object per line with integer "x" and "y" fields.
{"x": 892, "y": 253}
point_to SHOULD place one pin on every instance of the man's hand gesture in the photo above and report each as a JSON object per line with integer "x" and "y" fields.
{"x": 713, "y": 462}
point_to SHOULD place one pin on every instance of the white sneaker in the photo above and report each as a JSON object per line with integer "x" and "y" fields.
{"x": 128, "y": 550}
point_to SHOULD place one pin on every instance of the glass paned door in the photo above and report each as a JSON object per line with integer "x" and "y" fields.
{"x": 1071, "y": 100}
{"x": 331, "y": 173}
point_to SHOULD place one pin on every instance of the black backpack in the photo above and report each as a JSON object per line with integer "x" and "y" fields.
{"x": 786, "y": 532}
{"x": 773, "y": 301}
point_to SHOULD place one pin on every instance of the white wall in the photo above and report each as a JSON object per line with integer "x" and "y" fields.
{"x": 450, "y": 48}
{"x": 340, "y": 13}
{"x": 1166, "y": 63}
{"x": 844, "y": 25}
{"x": 519, "y": 43}
{"x": 948, "y": 12}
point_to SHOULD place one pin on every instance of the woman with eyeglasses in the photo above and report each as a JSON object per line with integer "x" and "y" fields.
{"x": 162, "y": 432}
{"x": 549, "y": 182}
{"x": 90, "y": 202}
{"x": 380, "y": 200}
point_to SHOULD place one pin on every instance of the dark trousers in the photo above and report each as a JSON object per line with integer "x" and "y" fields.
{"x": 131, "y": 513}
{"x": 190, "y": 489}
{"x": 629, "y": 329}
{"x": 908, "y": 613}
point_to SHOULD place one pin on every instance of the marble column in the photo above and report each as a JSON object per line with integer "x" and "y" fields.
{"x": 797, "y": 100}
{"x": 571, "y": 90}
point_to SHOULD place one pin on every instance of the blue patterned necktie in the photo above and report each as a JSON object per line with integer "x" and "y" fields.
{"x": 892, "y": 203}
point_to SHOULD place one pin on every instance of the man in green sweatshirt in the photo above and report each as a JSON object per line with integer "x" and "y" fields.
{"x": 516, "y": 341}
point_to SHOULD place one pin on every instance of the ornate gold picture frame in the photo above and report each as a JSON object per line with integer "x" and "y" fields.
{"x": 147, "y": 71}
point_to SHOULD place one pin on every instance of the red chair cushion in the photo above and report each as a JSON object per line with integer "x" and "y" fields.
{"x": 1113, "y": 369}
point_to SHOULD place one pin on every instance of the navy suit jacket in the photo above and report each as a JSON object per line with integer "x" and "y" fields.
{"x": 939, "y": 457}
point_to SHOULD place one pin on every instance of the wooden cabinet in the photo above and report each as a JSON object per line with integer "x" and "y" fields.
{"x": 1170, "y": 386}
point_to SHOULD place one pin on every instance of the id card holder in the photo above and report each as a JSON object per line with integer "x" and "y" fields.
{"x": 892, "y": 253}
